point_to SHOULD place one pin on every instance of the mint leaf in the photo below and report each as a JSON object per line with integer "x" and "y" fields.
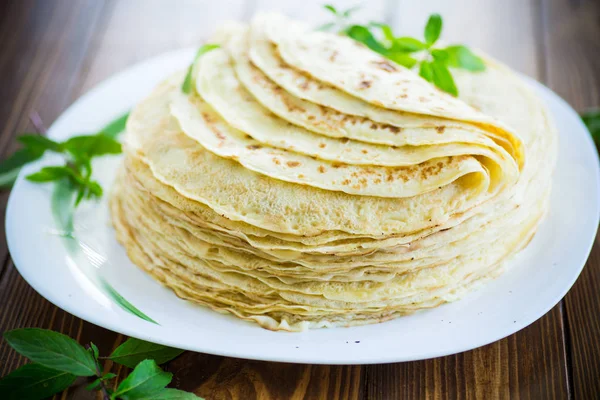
{"x": 331, "y": 8}
{"x": 144, "y": 381}
{"x": 94, "y": 385}
{"x": 34, "y": 381}
{"x": 591, "y": 119}
{"x": 89, "y": 146}
{"x": 402, "y": 59}
{"x": 433, "y": 29}
{"x": 443, "y": 79}
{"x": 363, "y": 35}
{"x": 409, "y": 44}
{"x": 49, "y": 174}
{"x": 39, "y": 144}
{"x": 462, "y": 57}
{"x": 440, "y": 55}
{"x": 94, "y": 350}
{"x": 188, "y": 82}
{"x": 387, "y": 32}
{"x": 133, "y": 351}
{"x": 425, "y": 71}
{"x": 173, "y": 394}
{"x": 115, "y": 127}
{"x": 53, "y": 350}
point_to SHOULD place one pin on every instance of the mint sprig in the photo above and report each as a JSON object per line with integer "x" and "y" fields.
{"x": 433, "y": 63}
{"x": 59, "y": 360}
{"x": 188, "y": 82}
{"x": 341, "y": 18}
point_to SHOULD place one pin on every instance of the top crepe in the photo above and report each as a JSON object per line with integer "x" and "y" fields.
{"x": 314, "y": 166}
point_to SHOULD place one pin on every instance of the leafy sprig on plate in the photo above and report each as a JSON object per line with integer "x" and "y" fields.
{"x": 188, "y": 82}
{"x": 77, "y": 153}
{"x": 433, "y": 62}
{"x": 58, "y": 361}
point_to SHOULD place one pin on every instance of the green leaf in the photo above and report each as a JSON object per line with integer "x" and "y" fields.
{"x": 402, "y": 59}
{"x": 188, "y": 82}
{"x": 350, "y": 11}
{"x": 49, "y": 174}
{"x": 133, "y": 351}
{"x": 39, "y": 144}
{"x": 425, "y": 71}
{"x": 326, "y": 27}
{"x": 440, "y": 55}
{"x": 330, "y": 8}
{"x": 443, "y": 79}
{"x": 108, "y": 376}
{"x": 7, "y": 180}
{"x": 408, "y": 44}
{"x": 94, "y": 385}
{"x": 9, "y": 168}
{"x": 94, "y": 349}
{"x": 34, "y": 381}
{"x": 173, "y": 394}
{"x": 433, "y": 29}
{"x": 462, "y": 57}
{"x": 363, "y": 35}
{"x": 88, "y": 146}
{"x": 114, "y": 128}
{"x": 591, "y": 119}
{"x": 52, "y": 349}
{"x": 121, "y": 301}
{"x": 144, "y": 381}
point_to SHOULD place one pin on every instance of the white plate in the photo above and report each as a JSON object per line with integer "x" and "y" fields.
{"x": 70, "y": 272}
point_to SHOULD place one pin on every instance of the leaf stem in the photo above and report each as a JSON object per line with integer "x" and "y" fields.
{"x": 105, "y": 395}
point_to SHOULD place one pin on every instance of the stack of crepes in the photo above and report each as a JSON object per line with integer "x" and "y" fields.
{"x": 308, "y": 182}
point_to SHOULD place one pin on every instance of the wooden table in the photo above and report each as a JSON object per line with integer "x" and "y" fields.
{"x": 52, "y": 51}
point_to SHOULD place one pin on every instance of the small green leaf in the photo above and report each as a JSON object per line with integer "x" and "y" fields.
{"x": 94, "y": 385}
{"x": 53, "y": 350}
{"x": 123, "y": 303}
{"x": 440, "y": 55}
{"x": 425, "y": 71}
{"x": 350, "y": 11}
{"x": 108, "y": 376}
{"x": 188, "y": 82}
{"x": 95, "y": 351}
{"x": 34, "y": 381}
{"x": 133, "y": 351}
{"x": 49, "y": 174}
{"x": 362, "y": 34}
{"x": 7, "y": 179}
{"x": 114, "y": 128}
{"x": 433, "y": 29}
{"x": 88, "y": 146}
{"x": 173, "y": 394}
{"x": 330, "y": 8}
{"x": 9, "y": 168}
{"x": 462, "y": 57}
{"x": 408, "y": 44}
{"x": 39, "y": 143}
{"x": 387, "y": 32}
{"x": 144, "y": 381}
{"x": 443, "y": 79}
{"x": 402, "y": 59}
{"x": 591, "y": 119}
{"x": 326, "y": 27}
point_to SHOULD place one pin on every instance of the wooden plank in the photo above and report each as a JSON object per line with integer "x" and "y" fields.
{"x": 571, "y": 32}
{"x": 532, "y": 362}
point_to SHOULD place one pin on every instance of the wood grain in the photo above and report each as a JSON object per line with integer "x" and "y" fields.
{"x": 55, "y": 50}
{"x": 571, "y": 34}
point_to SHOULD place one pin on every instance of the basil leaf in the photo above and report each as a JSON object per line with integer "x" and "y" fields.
{"x": 34, "y": 381}
{"x": 49, "y": 174}
{"x": 330, "y": 8}
{"x": 443, "y": 79}
{"x": 174, "y": 394}
{"x": 462, "y": 57}
{"x": 94, "y": 349}
{"x": 425, "y": 71}
{"x": 402, "y": 59}
{"x": 363, "y": 35}
{"x": 39, "y": 144}
{"x": 409, "y": 44}
{"x": 591, "y": 119}
{"x": 115, "y": 127}
{"x": 53, "y": 350}
{"x": 188, "y": 82}
{"x": 145, "y": 380}
{"x": 89, "y": 146}
{"x": 133, "y": 351}
{"x": 440, "y": 55}
{"x": 94, "y": 385}
{"x": 433, "y": 29}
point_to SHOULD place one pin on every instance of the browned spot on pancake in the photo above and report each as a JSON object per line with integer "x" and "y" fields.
{"x": 338, "y": 165}
{"x": 248, "y": 137}
{"x": 211, "y": 123}
{"x": 301, "y": 176}
{"x": 276, "y": 161}
{"x": 346, "y": 182}
{"x": 322, "y": 145}
{"x": 423, "y": 99}
{"x": 365, "y": 84}
{"x": 344, "y": 140}
{"x": 364, "y": 151}
{"x": 310, "y": 117}
{"x": 322, "y": 169}
{"x": 394, "y": 129}
{"x": 253, "y": 147}
{"x": 293, "y": 164}
{"x": 304, "y": 85}
{"x": 377, "y": 181}
{"x": 403, "y": 96}
{"x": 333, "y": 56}
{"x": 356, "y": 187}
{"x": 385, "y": 65}
{"x": 440, "y": 129}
